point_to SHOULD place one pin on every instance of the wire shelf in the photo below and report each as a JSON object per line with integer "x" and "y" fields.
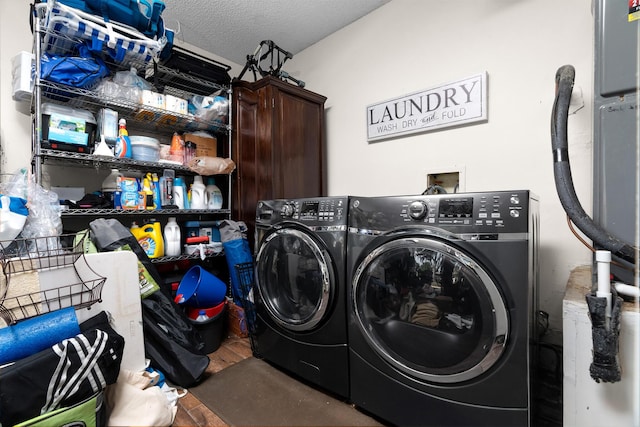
{"x": 44, "y": 274}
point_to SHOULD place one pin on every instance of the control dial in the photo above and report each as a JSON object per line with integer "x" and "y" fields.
{"x": 418, "y": 210}
{"x": 287, "y": 210}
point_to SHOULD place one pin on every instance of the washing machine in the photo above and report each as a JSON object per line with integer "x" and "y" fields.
{"x": 301, "y": 320}
{"x": 441, "y": 305}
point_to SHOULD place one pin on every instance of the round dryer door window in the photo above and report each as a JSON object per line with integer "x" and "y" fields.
{"x": 430, "y": 310}
{"x": 294, "y": 279}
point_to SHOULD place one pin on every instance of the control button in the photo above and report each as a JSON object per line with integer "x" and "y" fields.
{"x": 417, "y": 210}
{"x": 515, "y": 200}
{"x": 514, "y": 213}
{"x": 482, "y": 215}
{"x": 495, "y": 214}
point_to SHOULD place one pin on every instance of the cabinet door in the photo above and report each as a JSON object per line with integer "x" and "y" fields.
{"x": 297, "y": 144}
{"x": 247, "y": 158}
{"x": 278, "y": 145}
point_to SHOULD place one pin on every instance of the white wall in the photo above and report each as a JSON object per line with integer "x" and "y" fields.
{"x": 410, "y": 45}
{"x": 15, "y": 127}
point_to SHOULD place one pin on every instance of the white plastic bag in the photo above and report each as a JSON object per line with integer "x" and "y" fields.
{"x": 13, "y": 215}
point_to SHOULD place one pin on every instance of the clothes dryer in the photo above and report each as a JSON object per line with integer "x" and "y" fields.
{"x": 301, "y": 323}
{"x": 441, "y": 307}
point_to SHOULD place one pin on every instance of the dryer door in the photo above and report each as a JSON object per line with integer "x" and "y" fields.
{"x": 429, "y": 309}
{"x": 295, "y": 278}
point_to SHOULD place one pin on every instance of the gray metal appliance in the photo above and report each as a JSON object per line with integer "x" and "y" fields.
{"x": 301, "y": 323}
{"x": 616, "y": 146}
{"x": 441, "y": 305}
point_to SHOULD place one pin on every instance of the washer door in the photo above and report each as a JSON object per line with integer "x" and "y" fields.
{"x": 294, "y": 278}
{"x": 429, "y": 309}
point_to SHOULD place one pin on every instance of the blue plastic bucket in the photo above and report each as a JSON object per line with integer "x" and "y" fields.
{"x": 199, "y": 288}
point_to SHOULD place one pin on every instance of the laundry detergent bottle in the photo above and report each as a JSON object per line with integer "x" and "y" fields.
{"x": 172, "y": 238}
{"x": 214, "y": 195}
{"x": 149, "y": 236}
{"x": 198, "y": 194}
{"x": 180, "y": 193}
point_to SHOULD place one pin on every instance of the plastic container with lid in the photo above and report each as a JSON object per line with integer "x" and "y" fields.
{"x": 145, "y": 148}
{"x": 68, "y": 129}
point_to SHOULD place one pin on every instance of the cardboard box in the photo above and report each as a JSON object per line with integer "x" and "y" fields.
{"x": 206, "y": 146}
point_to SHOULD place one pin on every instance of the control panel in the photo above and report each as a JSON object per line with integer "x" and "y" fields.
{"x": 318, "y": 211}
{"x": 468, "y": 209}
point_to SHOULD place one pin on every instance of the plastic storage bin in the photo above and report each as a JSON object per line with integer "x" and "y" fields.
{"x": 145, "y": 148}
{"x": 68, "y": 129}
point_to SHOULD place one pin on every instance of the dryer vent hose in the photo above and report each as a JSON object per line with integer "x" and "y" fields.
{"x": 565, "y": 77}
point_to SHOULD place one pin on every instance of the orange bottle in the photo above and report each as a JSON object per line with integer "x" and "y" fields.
{"x": 176, "y": 150}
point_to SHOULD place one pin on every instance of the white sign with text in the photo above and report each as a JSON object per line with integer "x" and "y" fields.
{"x": 452, "y": 104}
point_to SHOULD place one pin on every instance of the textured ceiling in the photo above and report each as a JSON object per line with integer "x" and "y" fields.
{"x": 234, "y": 29}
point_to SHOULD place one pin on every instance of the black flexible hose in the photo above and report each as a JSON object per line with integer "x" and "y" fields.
{"x": 562, "y": 171}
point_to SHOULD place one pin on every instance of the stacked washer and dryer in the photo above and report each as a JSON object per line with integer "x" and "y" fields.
{"x": 424, "y": 305}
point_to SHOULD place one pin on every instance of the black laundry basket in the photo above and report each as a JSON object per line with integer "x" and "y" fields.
{"x": 245, "y": 272}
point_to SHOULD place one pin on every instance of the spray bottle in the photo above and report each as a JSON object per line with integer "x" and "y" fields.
{"x": 123, "y": 143}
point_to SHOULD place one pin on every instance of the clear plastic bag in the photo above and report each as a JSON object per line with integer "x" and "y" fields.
{"x": 125, "y": 84}
{"x": 209, "y": 108}
{"x": 44, "y": 207}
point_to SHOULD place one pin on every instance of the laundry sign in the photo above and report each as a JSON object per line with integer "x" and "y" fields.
{"x": 452, "y": 104}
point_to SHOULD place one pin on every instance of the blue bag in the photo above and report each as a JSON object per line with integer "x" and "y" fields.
{"x": 143, "y": 15}
{"x": 236, "y": 251}
{"x": 82, "y": 71}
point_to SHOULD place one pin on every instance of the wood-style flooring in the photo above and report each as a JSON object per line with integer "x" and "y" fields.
{"x": 192, "y": 412}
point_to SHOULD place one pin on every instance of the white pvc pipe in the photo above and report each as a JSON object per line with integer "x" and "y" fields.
{"x": 603, "y": 260}
{"x": 623, "y": 288}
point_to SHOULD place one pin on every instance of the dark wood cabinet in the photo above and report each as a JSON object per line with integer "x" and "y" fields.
{"x": 278, "y": 145}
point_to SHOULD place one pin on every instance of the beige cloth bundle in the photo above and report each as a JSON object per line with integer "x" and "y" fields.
{"x": 211, "y": 165}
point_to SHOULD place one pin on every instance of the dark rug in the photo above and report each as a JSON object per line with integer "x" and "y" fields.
{"x": 254, "y": 393}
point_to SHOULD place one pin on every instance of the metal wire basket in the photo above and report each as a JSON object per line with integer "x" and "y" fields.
{"x": 45, "y": 274}
{"x": 246, "y": 278}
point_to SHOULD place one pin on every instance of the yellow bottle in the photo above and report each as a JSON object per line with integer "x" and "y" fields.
{"x": 150, "y": 238}
{"x": 149, "y": 201}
